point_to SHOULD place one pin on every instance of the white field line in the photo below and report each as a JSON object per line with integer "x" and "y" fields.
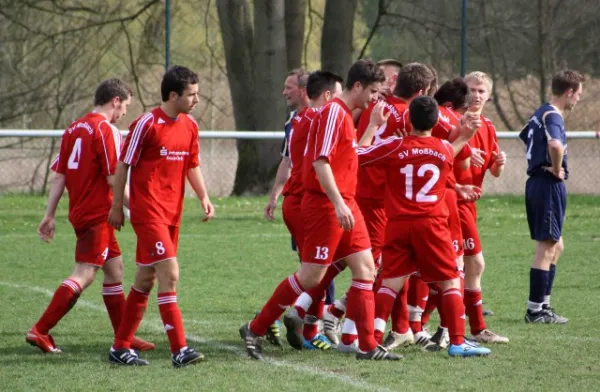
{"x": 156, "y": 324}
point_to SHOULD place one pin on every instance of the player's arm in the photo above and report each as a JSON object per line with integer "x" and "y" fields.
{"x": 327, "y": 181}
{"x": 557, "y": 153}
{"x": 47, "y": 225}
{"x": 196, "y": 180}
{"x": 283, "y": 173}
{"x": 116, "y": 218}
{"x": 553, "y": 123}
{"x": 377, "y": 119}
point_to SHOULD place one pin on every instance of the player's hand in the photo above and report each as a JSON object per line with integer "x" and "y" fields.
{"x": 477, "y": 157}
{"x": 401, "y": 132}
{"x": 46, "y": 229}
{"x": 499, "y": 157}
{"x": 470, "y": 123}
{"x": 344, "y": 216}
{"x": 468, "y": 192}
{"x": 270, "y": 210}
{"x": 208, "y": 208}
{"x": 377, "y": 116}
{"x": 116, "y": 217}
{"x": 560, "y": 175}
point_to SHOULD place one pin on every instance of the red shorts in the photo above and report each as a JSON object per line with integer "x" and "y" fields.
{"x": 468, "y": 222}
{"x": 454, "y": 222}
{"x": 96, "y": 245}
{"x": 324, "y": 240}
{"x": 373, "y": 211}
{"x": 292, "y": 216}
{"x": 156, "y": 242}
{"x": 419, "y": 244}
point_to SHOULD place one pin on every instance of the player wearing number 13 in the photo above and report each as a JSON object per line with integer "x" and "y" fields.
{"x": 545, "y": 192}
{"x": 417, "y": 236}
{"x": 162, "y": 150}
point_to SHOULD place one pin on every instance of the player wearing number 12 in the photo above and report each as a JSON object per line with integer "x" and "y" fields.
{"x": 417, "y": 236}
{"x": 162, "y": 150}
{"x": 85, "y": 166}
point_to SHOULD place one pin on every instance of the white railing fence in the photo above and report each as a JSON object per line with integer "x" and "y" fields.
{"x": 25, "y": 155}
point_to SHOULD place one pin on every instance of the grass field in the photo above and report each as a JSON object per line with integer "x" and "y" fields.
{"x": 230, "y": 266}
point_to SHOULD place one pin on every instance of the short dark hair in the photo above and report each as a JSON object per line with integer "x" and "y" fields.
{"x": 364, "y": 71}
{"x": 454, "y": 91}
{"x": 176, "y": 79}
{"x": 301, "y": 75}
{"x": 413, "y": 78}
{"x": 424, "y": 113}
{"x": 564, "y": 80}
{"x": 389, "y": 62}
{"x": 321, "y": 81}
{"x": 109, "y": 89}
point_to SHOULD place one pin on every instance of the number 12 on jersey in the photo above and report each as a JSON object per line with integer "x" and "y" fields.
{"x": 422, "y": 196}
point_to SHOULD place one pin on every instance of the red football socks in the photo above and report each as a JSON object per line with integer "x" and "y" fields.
{"x": 114, "y": 300}
{"x": 361, "y": 310}
{"x": 135, "y": 307}
{"x": 172, "y": 321}
{"x": 400, "y": 311}
{"x": 62, "y": 301}
{"x": 474, "y": 310}
{"x": 454, "y": 311}
{"x": 384, "y": 303}
{"x": 285, "y": 294}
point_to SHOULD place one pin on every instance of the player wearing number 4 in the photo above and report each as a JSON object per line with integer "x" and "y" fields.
{"x": 545, "y": 191}
{"x": 86, "y": 167}
{"x": 162, "y": 150}
{"x": 417, "y": 236}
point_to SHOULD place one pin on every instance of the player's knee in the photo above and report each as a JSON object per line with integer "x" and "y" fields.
{"x": 167, "y": 280}
{"x": 310, "y": 275}
{"x": 84, "y": 274}
{"x": 558, "y": 249}
{"x": 474, "y": 265}
{"x": 113, "y": 271}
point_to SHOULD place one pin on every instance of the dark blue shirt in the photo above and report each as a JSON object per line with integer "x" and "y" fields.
{"x": 285, "y": 149}
{"x": 546, "y": 124}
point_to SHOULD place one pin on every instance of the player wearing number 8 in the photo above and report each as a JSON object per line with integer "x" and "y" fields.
{"x": 162, "y": 150}
{"x": 545, "y": 191}
{"x": 417, "y": 236}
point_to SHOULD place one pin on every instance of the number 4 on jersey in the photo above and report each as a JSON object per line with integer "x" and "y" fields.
{"x": 75, "y": 155}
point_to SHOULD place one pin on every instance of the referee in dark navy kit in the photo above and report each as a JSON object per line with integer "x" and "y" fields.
{"x": 545, "y": 191}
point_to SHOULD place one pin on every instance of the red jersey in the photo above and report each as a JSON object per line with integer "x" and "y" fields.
{"x": 484, "y": 139}
{"x": 332, "y": 136}
{"x": 160, "y": 151}
{"x": 296, "y": 147}
{"x": 371, "y": 179}
{"x": 449, "y": 119}
{"x": 88, "y": 154}
{"x": 416, "y": 172}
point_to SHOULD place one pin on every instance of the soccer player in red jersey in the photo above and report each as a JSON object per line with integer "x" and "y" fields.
{"x": 161, "y": 150}
{"x": 334, "y": 228}
{"x": 86, "y": 167}
{"x": 417, "y": 234}
{"x": 321, "y": 87}
{"x": 485, "y": 141}
{"x": 297, "y": 100}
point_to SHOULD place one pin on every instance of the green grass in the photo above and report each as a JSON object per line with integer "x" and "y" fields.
{"x": 230, "y": 266}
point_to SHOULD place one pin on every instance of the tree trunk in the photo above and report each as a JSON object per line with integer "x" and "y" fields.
{"x": 256, "y": 68}
{"x": 295, "y": 15}
{"x": 336, "y": 41}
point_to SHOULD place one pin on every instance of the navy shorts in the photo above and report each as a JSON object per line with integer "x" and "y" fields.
{"x": 546, "y": 204}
